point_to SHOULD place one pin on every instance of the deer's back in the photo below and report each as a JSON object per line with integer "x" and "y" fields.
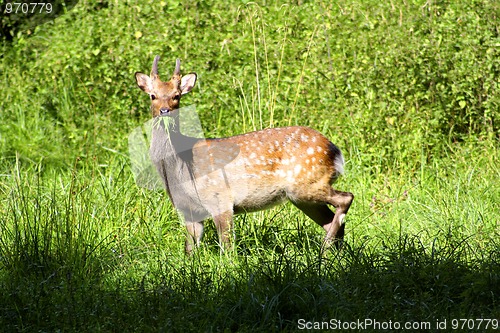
{"x": 264, "y": 168}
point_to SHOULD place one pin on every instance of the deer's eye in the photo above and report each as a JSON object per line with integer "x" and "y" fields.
{"x": 177, "y": 97}
{"x": 153, "y": 97}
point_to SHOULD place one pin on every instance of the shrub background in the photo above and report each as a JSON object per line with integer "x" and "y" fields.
{"x": 408, "y": 89}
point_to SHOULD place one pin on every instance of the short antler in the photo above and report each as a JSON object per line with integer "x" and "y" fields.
{"x": 154, "y": 70}
{"x": 177, "y": 70}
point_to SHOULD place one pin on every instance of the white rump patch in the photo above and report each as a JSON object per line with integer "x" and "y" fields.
{"x": 339, "y": 164}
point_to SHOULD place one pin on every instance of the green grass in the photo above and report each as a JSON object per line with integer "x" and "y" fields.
{"x": 89, "y": 251}
{"x": 408, "y": 91}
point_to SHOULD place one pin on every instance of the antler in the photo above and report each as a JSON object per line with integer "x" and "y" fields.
{"x": 154, "y": 70}
{"x": 177, "y": 70}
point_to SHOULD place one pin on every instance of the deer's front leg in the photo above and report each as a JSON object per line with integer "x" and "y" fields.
{"x": 224, "y": 225}
{"x": 193, "y": 238}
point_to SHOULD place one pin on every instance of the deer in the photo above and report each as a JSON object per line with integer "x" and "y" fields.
{"x": 219, "y": 178}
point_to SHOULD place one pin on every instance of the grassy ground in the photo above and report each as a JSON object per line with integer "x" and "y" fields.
{"x": 409, "y": 92}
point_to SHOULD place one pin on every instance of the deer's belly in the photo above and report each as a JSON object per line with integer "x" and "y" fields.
{"x": 258, "y": 199}
{"x": 241, "y": 192}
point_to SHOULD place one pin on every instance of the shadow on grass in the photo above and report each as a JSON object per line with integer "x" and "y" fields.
{"x": 248, "y": 293}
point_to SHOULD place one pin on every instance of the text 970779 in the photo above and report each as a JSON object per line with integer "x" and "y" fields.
{"x": 28, "y": 8}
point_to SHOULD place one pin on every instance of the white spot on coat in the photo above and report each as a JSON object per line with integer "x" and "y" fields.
{"x": 297, "y": 169}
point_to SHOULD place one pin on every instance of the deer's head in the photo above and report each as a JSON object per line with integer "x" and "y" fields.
{"x": 165, "y": 96}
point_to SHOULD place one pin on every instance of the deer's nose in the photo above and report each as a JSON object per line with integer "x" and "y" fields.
{"x": 164, "y": 111}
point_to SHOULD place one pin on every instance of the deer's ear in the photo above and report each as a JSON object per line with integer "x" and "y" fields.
{"x": 187, "y": 83}
{"x": 144, "y": 82}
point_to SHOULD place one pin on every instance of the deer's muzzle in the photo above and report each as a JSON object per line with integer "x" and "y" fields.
{"x": 165, "y": 111}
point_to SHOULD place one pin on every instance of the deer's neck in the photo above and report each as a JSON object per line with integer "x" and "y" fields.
{"x": 168, "y": 144}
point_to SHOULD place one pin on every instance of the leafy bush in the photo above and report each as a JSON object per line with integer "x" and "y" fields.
{"x": 378, "y": 76}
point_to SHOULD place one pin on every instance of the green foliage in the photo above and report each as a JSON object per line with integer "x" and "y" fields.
{"x": 409, "y": 91}
{"x": 401, "y": 75}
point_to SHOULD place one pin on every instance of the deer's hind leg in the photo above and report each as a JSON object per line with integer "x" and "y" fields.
{"x": 316, "y": 207}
